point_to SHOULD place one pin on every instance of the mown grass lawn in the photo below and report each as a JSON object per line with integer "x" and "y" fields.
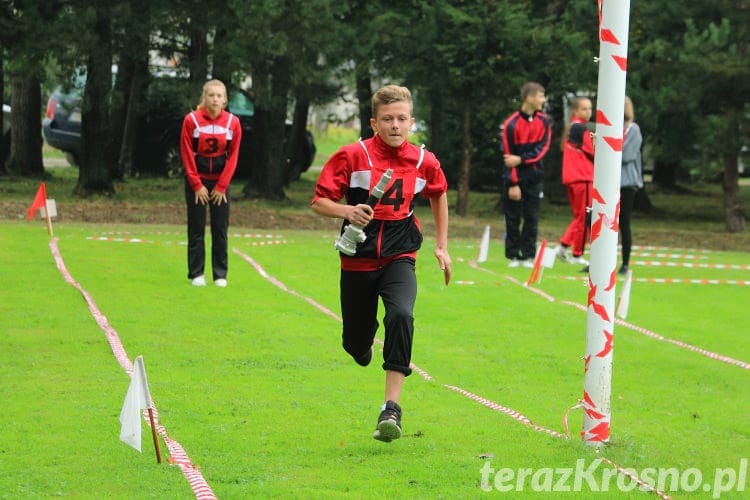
{"x": 252, "y": 382}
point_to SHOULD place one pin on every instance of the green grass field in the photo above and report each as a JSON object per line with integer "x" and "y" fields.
{"x": 252, "y": 382}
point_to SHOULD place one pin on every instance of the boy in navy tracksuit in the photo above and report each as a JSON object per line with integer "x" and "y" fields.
{"x": 526, "y": 139}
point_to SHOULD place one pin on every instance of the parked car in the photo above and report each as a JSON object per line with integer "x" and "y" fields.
{"x": 5, "y": 136}
{"x": 157, "y": 149}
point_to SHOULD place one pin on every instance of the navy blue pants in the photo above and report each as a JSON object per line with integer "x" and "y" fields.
{"x": 520, "y": 243}
{"x": 396, "y": 285}
{"x": 196, "y": 233}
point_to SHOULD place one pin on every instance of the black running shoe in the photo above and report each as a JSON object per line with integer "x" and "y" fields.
{"x": 389, "y": 423}
{"x": 365, "y": 359}
{"x": 623, "y": 269}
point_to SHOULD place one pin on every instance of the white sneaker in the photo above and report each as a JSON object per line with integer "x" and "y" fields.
{"x": 220, "y": 282}
{"x": 199, "y": 281}
{"x": 579, "y": 260}
{"x": 562, "y": 254}
{"x": 528, "y": 263}
{"x": 514, "y": 263}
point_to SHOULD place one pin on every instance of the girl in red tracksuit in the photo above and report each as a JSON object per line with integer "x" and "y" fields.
{"x": 383, "y": 266}
{"x": 578, "y": 177}
{"x": 209, "y": 145}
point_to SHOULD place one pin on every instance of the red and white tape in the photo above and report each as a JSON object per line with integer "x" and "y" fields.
{"x": 517, "y": 416}
{"x": 178, "y": 456}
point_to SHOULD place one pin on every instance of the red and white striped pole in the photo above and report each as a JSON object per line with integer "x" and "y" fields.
{"x": 597, "y": 384}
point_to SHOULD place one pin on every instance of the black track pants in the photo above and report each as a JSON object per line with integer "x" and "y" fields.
{"x": 196, "y": 233}
{"x": 396, "y": 285}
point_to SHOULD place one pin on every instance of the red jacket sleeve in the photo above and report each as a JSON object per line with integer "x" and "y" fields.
{"x": 334, "y": 177}
{"x": 436, "y": 184}
{"x": 187, "y": 154}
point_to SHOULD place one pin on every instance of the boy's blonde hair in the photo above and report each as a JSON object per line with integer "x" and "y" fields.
{"x": 390, "y": 94}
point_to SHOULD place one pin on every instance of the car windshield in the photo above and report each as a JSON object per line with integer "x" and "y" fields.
{"x": 240, "y": 104}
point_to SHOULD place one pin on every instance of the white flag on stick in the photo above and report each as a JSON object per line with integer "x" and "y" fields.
{"x": 136, "y": 400}
{"x": 548, "y": 257}
{"x": 623, "y": 301}
{"x": 484, "y": 245}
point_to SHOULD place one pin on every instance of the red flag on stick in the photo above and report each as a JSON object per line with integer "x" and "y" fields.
{"x": 536, "y": 272}
{"x": 40, "y": 200}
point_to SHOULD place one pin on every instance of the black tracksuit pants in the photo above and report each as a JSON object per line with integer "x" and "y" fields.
{"x": 196, "y": 232}
{"x": 520, "y": 243}
{"x": 627, "y": 201}
{"x": 396, "y": 285}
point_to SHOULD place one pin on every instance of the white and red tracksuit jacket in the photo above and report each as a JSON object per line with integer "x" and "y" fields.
{"x": 209, "y": 148}
{"x": 395, "y": 231}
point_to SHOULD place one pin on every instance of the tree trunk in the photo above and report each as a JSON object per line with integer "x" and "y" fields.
{"x": 118, "y": 114}
{"x": 133, "y": 117}
{"x": 267, "y": 179}
{"x": 665, "y": 174}
{"x": 364, "y": 97}
{"x": 26, "y": 134}
{"x": 4, "y": 148}
{"x": 464, "y": 175}
{"x": 93, "y": 174}
{"x": 735, "y": 217}
{"x": 198, "y": 55}
{"x": 258, "y": 151}
{"x": 222, "y": 67}
{"x": 293, "y": 150}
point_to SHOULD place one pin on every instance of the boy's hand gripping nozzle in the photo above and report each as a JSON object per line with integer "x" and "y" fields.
{"x": 353, "y": 234}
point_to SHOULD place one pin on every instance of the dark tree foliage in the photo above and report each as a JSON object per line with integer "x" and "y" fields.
{"x": 688, "y": 74}
{"x": 21, "y": 39}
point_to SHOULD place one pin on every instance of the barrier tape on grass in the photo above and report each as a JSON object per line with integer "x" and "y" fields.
{"x": 178, "y": 456}
{"x": 685, "y": 256}
{"x": 651, "y": 248}
{"x": 645, "y": 331}
{"x": 691, "y": 265}
{"x": 182, "y": 233}
{"x": 118, "y": 240}
{"x": 311, "y": 301}
{"x": 679, "y": 343}
{"x": 673, "y": 281}
{"x": 139, "y": 240}
{"x": 532, "y": 289}
{"x": 519, "y": 417}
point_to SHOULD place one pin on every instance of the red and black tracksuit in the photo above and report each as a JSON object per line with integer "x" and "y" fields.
{"x": 209, "y": 149}
{"x": 578, "y": 177}
{"x": 527, "y": 136}
{"x": 383, "y": 265}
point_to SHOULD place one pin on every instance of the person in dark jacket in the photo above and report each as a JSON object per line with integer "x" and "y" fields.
{"x": 382, "y": 267}
{"x": 526, "y": 138}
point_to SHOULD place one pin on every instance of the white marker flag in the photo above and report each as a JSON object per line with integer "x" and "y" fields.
{"x": 623, "y": 301}
{"x": 136, "y": 400}
{"x": 484, "y": 245}
{"x": 548, "y": 257}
